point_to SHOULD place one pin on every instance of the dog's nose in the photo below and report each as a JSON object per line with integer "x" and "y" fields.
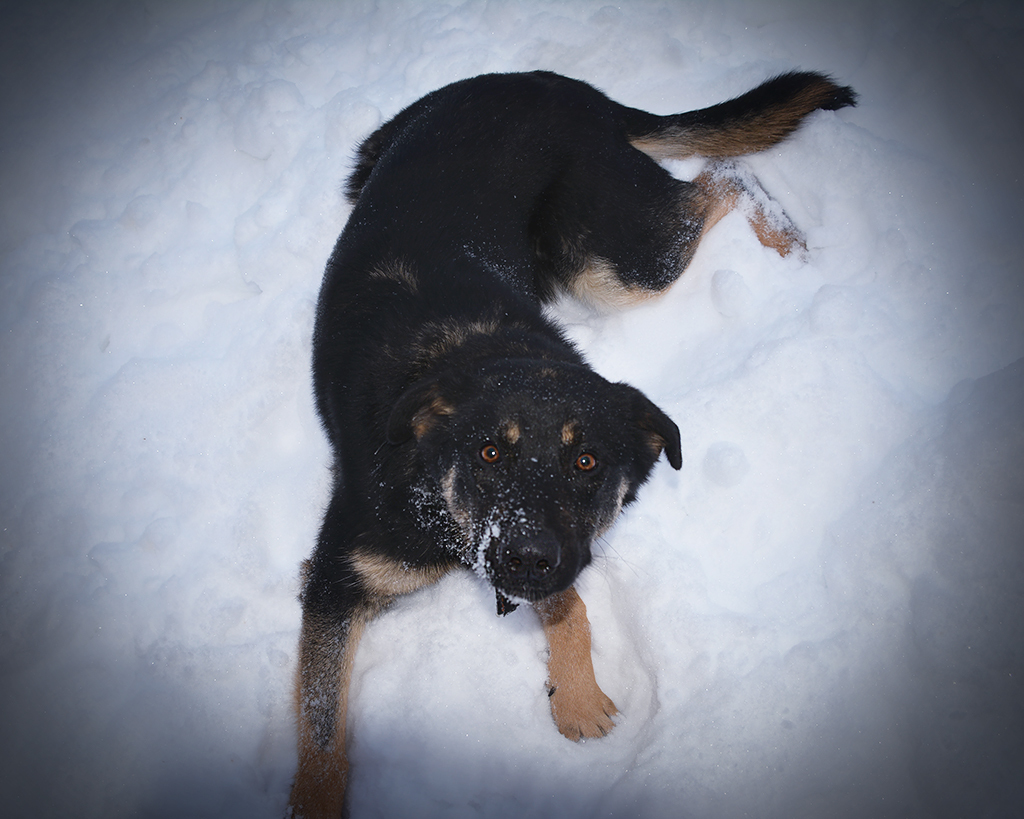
{"x": 531, "y": 557}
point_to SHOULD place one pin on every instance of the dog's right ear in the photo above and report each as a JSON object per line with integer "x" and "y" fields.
{"x": 661, "y": 432}
{"x": 417, "y": 411}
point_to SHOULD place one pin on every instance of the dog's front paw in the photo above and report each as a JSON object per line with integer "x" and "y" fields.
{"x": 581, "y": 712}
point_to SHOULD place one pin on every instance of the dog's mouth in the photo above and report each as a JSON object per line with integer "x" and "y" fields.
{"x": 524, "y": 566}
{"x": 515, "y": 549}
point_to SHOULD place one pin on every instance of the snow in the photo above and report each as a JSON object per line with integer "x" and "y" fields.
{"x": 820, "y": 615}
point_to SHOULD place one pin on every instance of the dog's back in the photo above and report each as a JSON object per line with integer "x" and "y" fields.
{"x": 751, "y": 122}
{"x": 529, "y": 173}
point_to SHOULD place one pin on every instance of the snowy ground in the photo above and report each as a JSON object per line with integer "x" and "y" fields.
{"x": 820, "y": 616}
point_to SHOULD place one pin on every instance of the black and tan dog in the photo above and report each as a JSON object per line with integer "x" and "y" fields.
{"x": 467, "y": 430}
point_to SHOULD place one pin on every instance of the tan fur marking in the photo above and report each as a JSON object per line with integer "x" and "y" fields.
{"x": 748, "y": 136}
{"x": 568, "y": 433}
{"x": 425, "y": 417}
{"x": 725, "y": 190}
{"x": 454, "y": 334}
{"x": 483, "y": 327}
{"x": 389, "y": 578}
{"x": 679, "y": 143}
{"x": 667, "y": 144}
{"x": 604, "y": 523}
{"x": 512, "y": 431}
{"x": 440, "y": 338}
{"x": 453, "y": 502}
{"x": 397, "y": 272}
{"x": 599, "y": 285}
{"x": 319, "y": 788}
{"x": 579, "y": 707}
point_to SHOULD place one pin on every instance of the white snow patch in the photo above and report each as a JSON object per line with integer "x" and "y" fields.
{"x": 818, "y": 616}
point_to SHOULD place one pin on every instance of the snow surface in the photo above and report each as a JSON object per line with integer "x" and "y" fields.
{"x": 819, "y": 616}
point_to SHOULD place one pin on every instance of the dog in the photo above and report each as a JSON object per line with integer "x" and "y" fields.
{"x": 467, "y": 431}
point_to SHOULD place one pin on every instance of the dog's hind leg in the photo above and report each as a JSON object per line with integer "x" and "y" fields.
{"x": 580, "y": 708}
{"x": 326, "y": 647}
{"x": 725, "y": 186}
{"x": 624, "y": 232}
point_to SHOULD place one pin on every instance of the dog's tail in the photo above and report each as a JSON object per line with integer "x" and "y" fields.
{"x": 749, "y": 123}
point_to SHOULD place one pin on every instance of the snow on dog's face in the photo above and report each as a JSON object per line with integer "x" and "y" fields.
{"x": 531, "y": 461}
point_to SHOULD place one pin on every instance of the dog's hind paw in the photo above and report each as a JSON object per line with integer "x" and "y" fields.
{"x": 774, "y": 229}
{"x": 729, "y": 185}
{"x": 583, "y": 712}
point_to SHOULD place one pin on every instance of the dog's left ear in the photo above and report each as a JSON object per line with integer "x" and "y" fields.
{"x": 662, "y": 432}
{"x": 417, "y": 410}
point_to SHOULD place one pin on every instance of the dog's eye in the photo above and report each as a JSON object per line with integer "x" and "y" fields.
{"x": 586, "y": 462}
{"x": 489, "y": 454}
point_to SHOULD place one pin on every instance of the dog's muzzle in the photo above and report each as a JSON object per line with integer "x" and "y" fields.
{"x": 529, "y": 566}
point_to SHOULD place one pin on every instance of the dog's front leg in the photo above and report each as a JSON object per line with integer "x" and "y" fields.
{"x": 326, "y": 647}
{"x": 579, "y": 706}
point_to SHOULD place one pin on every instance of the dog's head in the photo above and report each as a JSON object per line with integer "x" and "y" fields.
{"x": 533, "y": 461}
